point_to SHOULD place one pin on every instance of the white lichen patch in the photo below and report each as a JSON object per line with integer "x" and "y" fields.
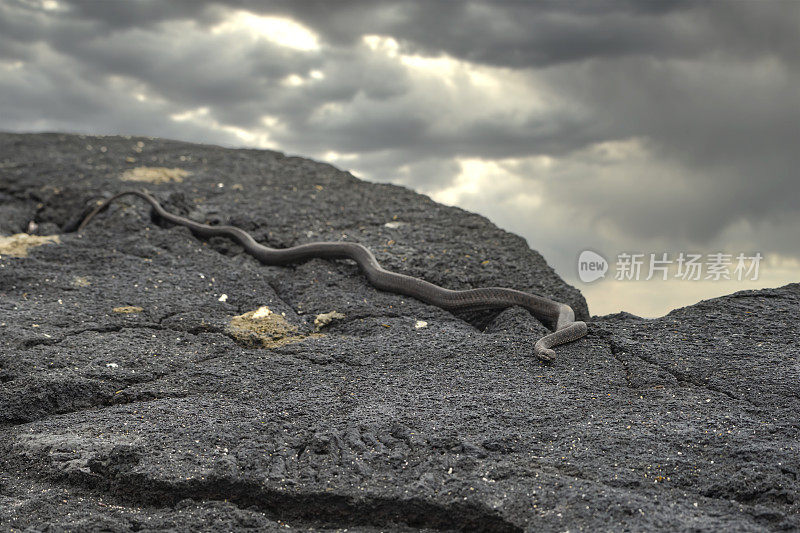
{"x": 17, "y": 245}
{"x": 324, "y": 319}
{"x": 265, "y": 329}
{"x": 127, "y": 309}
{"x": 155, "y": 174}
{"x": 419, "y": 324}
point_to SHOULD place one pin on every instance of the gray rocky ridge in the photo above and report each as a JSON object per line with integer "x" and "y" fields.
{"x": 151, "y": 380}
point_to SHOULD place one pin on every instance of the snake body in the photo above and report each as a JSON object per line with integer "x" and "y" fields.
{"x": 560, "y": 317}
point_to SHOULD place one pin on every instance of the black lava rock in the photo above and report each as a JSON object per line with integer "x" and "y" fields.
{"x": 150, "y": 380}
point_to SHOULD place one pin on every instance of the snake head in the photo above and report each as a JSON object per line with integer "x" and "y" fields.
{"x": 545, "y": 354}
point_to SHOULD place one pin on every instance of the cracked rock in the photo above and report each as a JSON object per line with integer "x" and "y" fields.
{"x": 164, "y": 418}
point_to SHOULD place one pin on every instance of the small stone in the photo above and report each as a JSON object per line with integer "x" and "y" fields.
{"x": 262, "y": 312}
{"x": 324, "y": 319}
{"x": 80, "y": 281}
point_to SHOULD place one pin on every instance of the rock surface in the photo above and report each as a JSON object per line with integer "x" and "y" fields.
{"x": 150, "y": 380}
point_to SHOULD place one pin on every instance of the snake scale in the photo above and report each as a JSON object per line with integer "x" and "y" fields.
{"x": 560, "y": 317}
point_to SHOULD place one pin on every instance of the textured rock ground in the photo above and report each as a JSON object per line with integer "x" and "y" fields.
{"x": 150, "y": 380}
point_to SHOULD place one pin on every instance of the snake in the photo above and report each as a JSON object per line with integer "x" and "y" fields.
{"x": 558, "y": 316}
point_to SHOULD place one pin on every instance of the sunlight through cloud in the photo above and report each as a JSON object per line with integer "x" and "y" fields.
{"x": 45, "y": 5}
{"x": 383, "y": 44}
{"x": 278, "y": 30}
{"x": 480, "y": 177}
{"x": 192, "y": 114}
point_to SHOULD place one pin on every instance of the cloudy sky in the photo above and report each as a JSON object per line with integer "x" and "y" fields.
{"x": 626, "y": 126}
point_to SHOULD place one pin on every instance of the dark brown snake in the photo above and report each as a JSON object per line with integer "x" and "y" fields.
{"x": 558, "y": 316}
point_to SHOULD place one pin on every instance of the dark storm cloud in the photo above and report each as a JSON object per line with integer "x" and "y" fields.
{"x": 708, "y": 89}
{"x": 731, "y": 127}
{"x": 523, "y": 34}
{"x": 515, "y": 33}
{"x": 711, "y": 86}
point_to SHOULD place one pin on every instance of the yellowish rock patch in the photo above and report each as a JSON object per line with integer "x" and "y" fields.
{"x": 128, "y": 309}
{"x": 264, "y": 328}
{"x": 17, "y": 245}
{"x": 80, "y": 281}
{"x": 324, "y": 319}
{"x": 155, "y": 174}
